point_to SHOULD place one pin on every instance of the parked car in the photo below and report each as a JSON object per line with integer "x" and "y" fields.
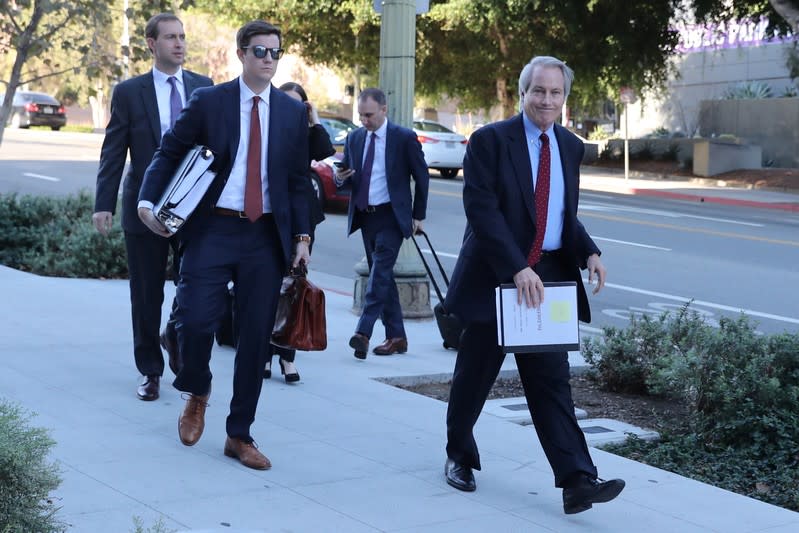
{"x": 36, "y": 109}
{"x": 443, "y": 148}
{"x": 337, "y": 127}
{"x": 324, "y": 185}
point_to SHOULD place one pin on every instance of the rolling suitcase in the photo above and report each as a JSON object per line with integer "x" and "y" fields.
{"x": 448, "y": 324}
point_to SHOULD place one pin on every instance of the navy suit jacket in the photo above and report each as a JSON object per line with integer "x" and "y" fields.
{"x": 211, "y": 118}
{"x": 500, "y": 213}
{"x": 136, "y": 126}
{"x": 404, "y": 158}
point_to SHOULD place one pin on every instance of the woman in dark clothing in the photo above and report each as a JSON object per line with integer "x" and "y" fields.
{"x": 319, "y": 147}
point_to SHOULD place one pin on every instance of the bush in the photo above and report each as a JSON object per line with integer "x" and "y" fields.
{"x": 55, "y": 237}
{"x": 742, "y": 393}
{"x": 26, "y": 478}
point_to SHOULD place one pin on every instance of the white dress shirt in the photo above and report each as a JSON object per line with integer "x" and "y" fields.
{"x": 163, "y": 93}
{"x": 557, "y": 189}
{"x": 232, "y": 196}
{"x": 378, "y": 183}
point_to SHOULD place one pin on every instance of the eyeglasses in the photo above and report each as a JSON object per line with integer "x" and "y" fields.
{"x": 260, "y": 51}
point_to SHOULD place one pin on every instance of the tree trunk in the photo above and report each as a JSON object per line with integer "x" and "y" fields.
{"x": 23, "y": 49}
{"x": 506, "y": 98}
{"x": 789, "y": 10}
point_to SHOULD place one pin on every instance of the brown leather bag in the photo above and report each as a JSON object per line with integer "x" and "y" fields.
{"x": 300, "y": 320}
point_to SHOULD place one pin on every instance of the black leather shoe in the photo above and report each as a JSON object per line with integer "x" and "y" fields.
{"x": 587, "y": 491}
{"x": 268, "y": 370}
{"x": 459, "y": 476}
{"x": 148, "y": 389}
{"x": 359, "y": 343}
{"x": 170, "y": 345}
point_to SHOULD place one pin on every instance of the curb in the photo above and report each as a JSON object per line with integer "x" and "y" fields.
{"x": 785, "y": 206}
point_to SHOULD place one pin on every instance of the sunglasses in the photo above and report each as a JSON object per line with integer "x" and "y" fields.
{"x": 260, "y": 51}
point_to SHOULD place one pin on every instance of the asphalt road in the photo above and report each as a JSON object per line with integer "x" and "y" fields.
{"x": 660, "y": 254}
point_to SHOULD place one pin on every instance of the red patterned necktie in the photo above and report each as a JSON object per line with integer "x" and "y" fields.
{"x": 541, "y": 197}
{"x": 253, "y": 193}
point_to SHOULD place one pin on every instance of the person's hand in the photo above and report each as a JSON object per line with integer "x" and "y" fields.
{"x": 302, "y": 252}
{"x": 103, "y": 220}
{"x": 153, "y": 224}
{"x": 596, "y": 268}
{"x": 417, "y": 226}
{"x": 340, "y": 176}
{"x": 313, "y": 115}
{"x": 529, "y": 287}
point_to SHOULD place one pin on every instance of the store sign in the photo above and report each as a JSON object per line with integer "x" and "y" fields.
{"x": 731, "y": 34}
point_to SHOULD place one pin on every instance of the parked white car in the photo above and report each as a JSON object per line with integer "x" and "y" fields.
{"x": 443, "y": 148}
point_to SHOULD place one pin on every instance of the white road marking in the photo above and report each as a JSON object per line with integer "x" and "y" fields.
{"x": 703, "y": 303}
{"x": 631, "y": 243}
{"x": 440, "y": 254}
{"x": 667, "y": 214}
{"x": 40, "y": 176}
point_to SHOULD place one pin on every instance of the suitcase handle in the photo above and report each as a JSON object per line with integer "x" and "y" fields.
{"x": 427, "y": 266}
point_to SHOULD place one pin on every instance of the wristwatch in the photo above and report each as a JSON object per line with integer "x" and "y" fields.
{"x": 302, "y": 237}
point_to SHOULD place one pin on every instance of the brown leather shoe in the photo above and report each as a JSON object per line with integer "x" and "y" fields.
{"x": 192, "y": 420}
{"x": 247, "y": 453}
{"x": 170, "y": 346}
{"x": 148, "y": 389}
{"x": 360, "y": 343}
{"x": 392, "y": 346}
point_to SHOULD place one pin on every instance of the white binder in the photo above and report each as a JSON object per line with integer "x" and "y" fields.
{"x": 186, "y": 188}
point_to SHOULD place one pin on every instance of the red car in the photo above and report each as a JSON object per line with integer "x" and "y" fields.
{"x": 325, "y": 186}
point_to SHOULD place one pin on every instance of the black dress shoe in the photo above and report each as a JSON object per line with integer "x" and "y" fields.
{"x": 268, "y": 370}
{"x": 360, "y": 343}
{"x": 459, "y": 476}
{"x": 148, "y": 390}
{"x": 170, "y": 345}
{"x": 587, "y": 491}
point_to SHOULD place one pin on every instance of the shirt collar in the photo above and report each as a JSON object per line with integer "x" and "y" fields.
{"x": 246, "y": 93}
{"x": 533, "y": 132}
{"x": 162, "y": 77}
{"x": 381, "y": 131}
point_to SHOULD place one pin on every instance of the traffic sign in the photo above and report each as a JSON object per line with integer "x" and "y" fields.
{"x": 627, "y": 95}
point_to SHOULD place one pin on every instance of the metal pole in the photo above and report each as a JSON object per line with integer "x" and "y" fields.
{"x": 398, "y": 59}
{"x": 626, "y": 141}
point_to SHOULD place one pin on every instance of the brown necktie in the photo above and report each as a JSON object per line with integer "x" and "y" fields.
{"x": 253, "y": 193}
{"x": 541, "y": 200}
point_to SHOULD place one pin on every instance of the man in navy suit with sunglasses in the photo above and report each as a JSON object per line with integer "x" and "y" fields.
{"x": 250, "y": 226}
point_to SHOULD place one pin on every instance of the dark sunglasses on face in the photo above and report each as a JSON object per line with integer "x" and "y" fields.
{"x": 260, "y": 51}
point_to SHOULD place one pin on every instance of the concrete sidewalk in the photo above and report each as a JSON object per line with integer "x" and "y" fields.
{"x": 699, "y": 190}
{"x": 350, "y": 453}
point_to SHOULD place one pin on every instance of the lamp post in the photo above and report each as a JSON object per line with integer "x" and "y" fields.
{"x": 397, "y": 77}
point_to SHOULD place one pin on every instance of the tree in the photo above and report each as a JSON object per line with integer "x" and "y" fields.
{"x": 51, "y": 37}
{"x": 37, "y": 28}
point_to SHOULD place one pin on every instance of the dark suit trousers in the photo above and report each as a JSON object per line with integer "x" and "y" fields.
{"x": 229, "y": 248}
{"x": 545, "y": 377}
{"x": 147, "y": 258}
{"x": 382, "y": 239}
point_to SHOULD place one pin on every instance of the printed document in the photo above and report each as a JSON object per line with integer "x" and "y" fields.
{"x": 550, "y": 327}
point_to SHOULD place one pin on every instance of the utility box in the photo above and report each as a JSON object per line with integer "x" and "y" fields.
{"x": 715, "y": 156}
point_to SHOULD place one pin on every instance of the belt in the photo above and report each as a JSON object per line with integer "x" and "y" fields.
{"x": 225, "y": 212}
{"x": 550, "y": 253}
{"x": 376, "y": 208}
